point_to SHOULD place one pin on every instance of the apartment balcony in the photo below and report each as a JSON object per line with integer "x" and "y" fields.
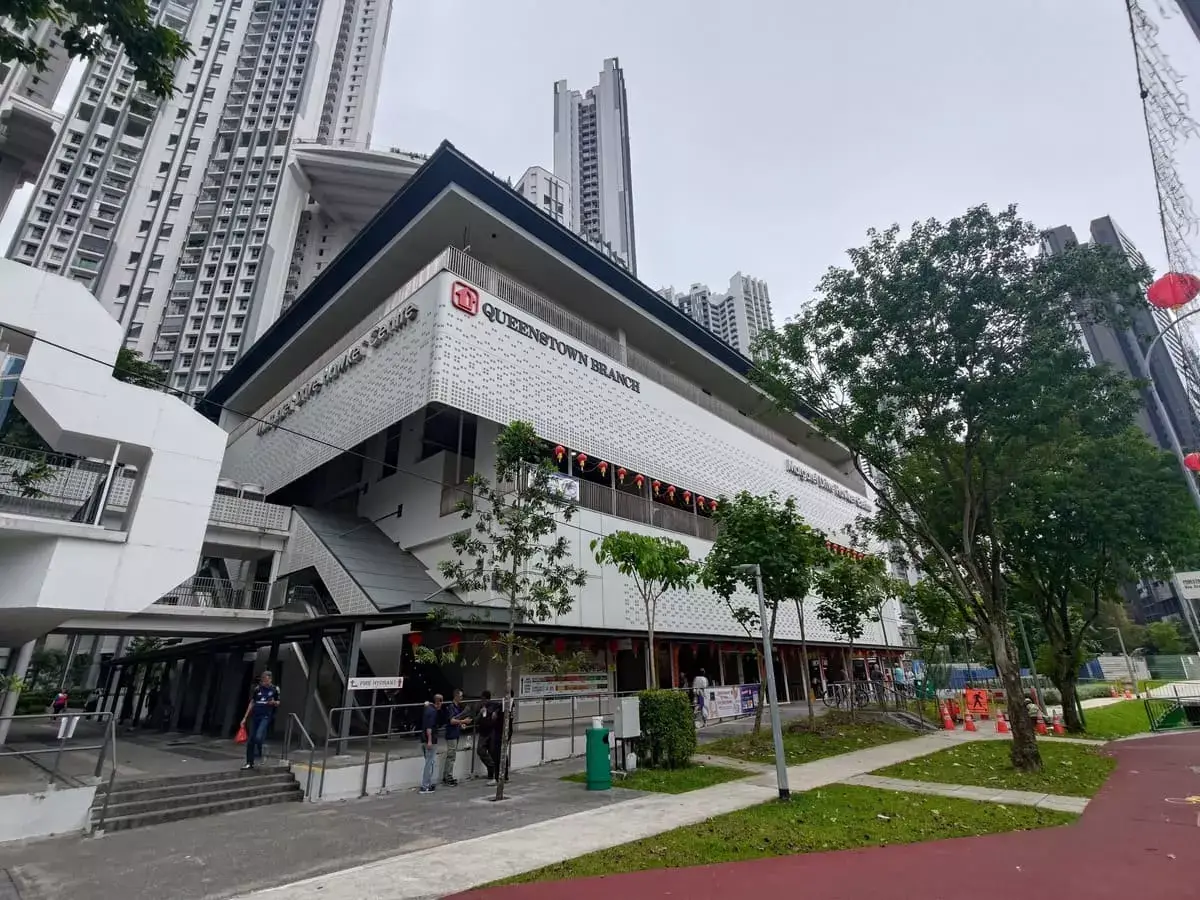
{"x": 200, "y": 592}
{"x": 172, "y": 325}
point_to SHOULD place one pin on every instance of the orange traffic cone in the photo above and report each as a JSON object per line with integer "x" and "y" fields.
{"x": 1128, "y": 694}
{"x": 1112, "y": 691}
{"x": 1041, "y": 724}
{"x": 1001, "y": 724}
{"x": 968, "y": 721}
{"x": 1058, "y": 725}
{"x": 947, "y": 722}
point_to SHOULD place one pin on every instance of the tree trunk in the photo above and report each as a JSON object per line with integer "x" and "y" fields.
{"x": 762, "y": 690}
{"x": 1070, "y": 703}
{"x": 1024, "y": 752}
{"x": 650, "y": 648}
{"x": 850, "y": 663}
{"x": 804, "y": 673}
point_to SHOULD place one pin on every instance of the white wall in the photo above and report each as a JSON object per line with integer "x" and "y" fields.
{"x": 41, "y": 814}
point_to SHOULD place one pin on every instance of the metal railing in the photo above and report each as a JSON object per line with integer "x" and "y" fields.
{"x": 243, "y": 511}
{"x": 56, "y": 742}
{"x": 204, "y": 592}
{"x": 293, "y": 722}
{"x": 65, "y": 487}
{"x": 412, "y": 155}
{"x": 1173, "y": 707}
{"x": 879, "y": 695}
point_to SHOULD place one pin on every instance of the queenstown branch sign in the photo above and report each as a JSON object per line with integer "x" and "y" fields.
{"x": 379, "y": 335}
{"x": 498, "y": 316}
{"x": 830, "y": 487}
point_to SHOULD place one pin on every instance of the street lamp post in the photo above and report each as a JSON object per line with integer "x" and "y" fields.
{"x": 1128, "y": 664}
{"x": 1161, "y": 409}
{"x": 781, "y": 776}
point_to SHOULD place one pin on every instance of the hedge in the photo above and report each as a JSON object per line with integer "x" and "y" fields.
{"x": 668, "y": 729}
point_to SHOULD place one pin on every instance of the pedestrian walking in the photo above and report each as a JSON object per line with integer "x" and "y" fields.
{"x": 59, "y": 706}
{"x": 699, "y": 687}
{"x": 264, "y": 700}
{"x": 456, "y": 720}
{"x": 429, "y": 730}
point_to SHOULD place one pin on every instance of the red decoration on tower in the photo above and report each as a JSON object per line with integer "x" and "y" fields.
{"x": 1192, "y": 461}
{"x": 560, "y": 646}
{"x": 699, "y": 502}
{"x": 655, "y": 486}
{"x": 582, "y": 460}
{"x": 712, "y": 504}
{"x": 613, "y": 645}
{"x": 559, "y": 452}
{"x": 671, "y": 492}
{"x": 687, "y": 498}
{"x": 414, "y": 638}
{"x": 621, "y": 473}
{"x": 1173, "y": 290}
{"x": 602, "y": 468}
{"x": 639, "y": 480}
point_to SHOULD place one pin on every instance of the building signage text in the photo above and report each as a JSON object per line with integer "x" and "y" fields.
{"x": 830, "y": 487}
{"x": 373, "y": 339}
{"x": 497, "y": 316}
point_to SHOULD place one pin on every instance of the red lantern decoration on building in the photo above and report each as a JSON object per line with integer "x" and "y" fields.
{"x": 1173, "y": 290}
{"x": 671, "y": 492}
{"x": 712, "y": 505}
{"x": 639, "y": 480}
{"x": 655, "y": 486}
{"x": 455, "y": 640}
{"x": 602, "y": 468}
{"x": 586, "y": 644}
{"x": 1192, "y": 461}
{"x": 613, "y": 645}
{"x": 687, "y": 498}
{"x": 414, "y": 638}
{"x": 560, "y": 646}
{"x": 495, "y": 637}
{"x": 559, "y": 452}
{"x": 580, "y": 461}
{"x": 699, "y": 502}
{"x": 621, "y": 473}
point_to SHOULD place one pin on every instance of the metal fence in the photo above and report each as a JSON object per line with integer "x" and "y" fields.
{"x": 1173, "y": 707}
{"x": 218, "y": 593}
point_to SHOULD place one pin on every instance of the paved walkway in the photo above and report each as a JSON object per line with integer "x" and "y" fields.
{"x": 972, "y": 792}
{"x": 467, "y": 864}
{"x": 1137, "y": 838}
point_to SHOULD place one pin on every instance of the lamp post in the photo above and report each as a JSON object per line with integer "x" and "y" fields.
{"x": 1128, "y": 664}
{"x": 1161, "y": 409}
{"x": 781, "y": 776}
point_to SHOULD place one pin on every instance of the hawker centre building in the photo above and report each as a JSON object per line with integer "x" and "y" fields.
{"x": 461, "y": 307}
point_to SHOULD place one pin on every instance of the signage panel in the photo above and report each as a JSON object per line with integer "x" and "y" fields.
{"x": 384, "y": 683}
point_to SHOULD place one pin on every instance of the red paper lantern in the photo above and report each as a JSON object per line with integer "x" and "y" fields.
{"x": 1192, "y": 461}
{"x": 560, "y": 646}
{"x": 699, "y": 502}
{"x": 1173, "y": 290}
{"x": 495, "y": 637}
{"x": 582, "y": 460}
{"x": 655, "y": 486}
{"x": 602, "y": 468}
{"x": 671, "y": 492}
{"x": 687, "y": 498}
{"x": 712, "y": 505}
{"x": 614, "y": 645}
{"x": 586, "y": 643}
{"x": 621, "y": 473}
{"x": 639, "y": 480}
{"x": 559, "y": 452}
{"x": 414, "y": 638}
{"x": 455, "y": 640}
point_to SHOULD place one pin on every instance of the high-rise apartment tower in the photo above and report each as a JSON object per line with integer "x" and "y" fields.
{"x": 736, "y": 316}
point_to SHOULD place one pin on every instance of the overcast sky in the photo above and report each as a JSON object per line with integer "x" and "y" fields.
{"x": 767, "y": 136}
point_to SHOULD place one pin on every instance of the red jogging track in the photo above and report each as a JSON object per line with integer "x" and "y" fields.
{"x": 1132, "y": 842}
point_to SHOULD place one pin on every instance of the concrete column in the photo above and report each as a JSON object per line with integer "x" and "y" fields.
{"x": 18, "y": 670}
{"x": 231, "y": 693}
{"x": 206, "y": 679}
{"x": 624, "y": 346}
{"x": 92, "y": 678}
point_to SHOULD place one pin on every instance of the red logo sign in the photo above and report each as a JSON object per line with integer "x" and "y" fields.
{"x": 465, "y": 297}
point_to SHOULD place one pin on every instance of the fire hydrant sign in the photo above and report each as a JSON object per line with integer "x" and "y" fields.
{"x": 977, "y": 701}
{"x": 386, "y": 683}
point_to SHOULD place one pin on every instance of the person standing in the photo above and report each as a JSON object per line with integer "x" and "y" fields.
{"x": 699, "y": 687}
{"x": 264, "y": 700}
{"x": 487, "y": 728}
{"x": 456, "y": 720}
{"x": 429, "y": 729}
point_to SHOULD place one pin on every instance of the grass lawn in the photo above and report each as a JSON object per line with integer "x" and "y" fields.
{"x": 1074, "y": 770}
{"x": 671, "y": 781}
{"x": 831, "y": 735}
{"x": 1116, "y": 720}
{"x": 838, "y": 817}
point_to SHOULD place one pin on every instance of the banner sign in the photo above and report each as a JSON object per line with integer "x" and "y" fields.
{"x": 385, "y": 683}
{"x": 564, "y": 684}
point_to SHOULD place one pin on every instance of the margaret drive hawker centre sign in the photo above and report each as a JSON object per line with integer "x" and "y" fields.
{"x": 380, "y": 334}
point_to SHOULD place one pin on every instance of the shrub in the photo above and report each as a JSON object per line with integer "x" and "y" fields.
{"x": 668, "y": 729}
{"x": 1094, "y": 691}
{"x": 33, "y": 702}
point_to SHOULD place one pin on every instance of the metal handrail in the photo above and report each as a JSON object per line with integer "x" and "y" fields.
{"x": 312, "y": 749}
{"x": 98, "y": 824}
{"x": 64, "y": 734}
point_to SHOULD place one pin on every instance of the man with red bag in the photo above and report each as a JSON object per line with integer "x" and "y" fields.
{"x": 264, "y": 699}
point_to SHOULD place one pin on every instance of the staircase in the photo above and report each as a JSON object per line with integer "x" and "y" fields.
{"x": 153, "y": 801}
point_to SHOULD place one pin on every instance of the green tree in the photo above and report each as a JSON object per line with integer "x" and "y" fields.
{"x": 851, "y": 591}
{"x": 940, "y": 359}
{"x": 86, "y": 26}
{"x": 514, "y": 549}
{"x": 1163, "y": 638}
{"x": 773, "y": 534}
{"x": 132, "y": 369}
{"x": 656, "y": 565}
{"x": 1114, "y": 617}
{"x": 1096, "y": 511}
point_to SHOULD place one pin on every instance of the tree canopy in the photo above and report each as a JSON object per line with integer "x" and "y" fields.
{"x": 84, "y": 27}
{"x": 944, "y": 360}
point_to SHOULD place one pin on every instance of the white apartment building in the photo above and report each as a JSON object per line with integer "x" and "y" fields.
{"x": 28, "y": 122}
{"x": 194, "y": 221}
{"x": 548, "y": 192}
{"x": 591, "y": 153}
{"x": 737, "y": 316}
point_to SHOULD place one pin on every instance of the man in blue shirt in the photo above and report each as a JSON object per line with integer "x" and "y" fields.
{"x": 429, "y": 727}
{"x": 264, "y": 699}
{"x": 456, "y": 720}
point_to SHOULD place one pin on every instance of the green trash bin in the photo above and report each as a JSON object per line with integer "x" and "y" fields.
{"x": 599, "y": 773}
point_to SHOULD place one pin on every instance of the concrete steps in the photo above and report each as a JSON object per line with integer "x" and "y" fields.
{"x": 153, "y": 801}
